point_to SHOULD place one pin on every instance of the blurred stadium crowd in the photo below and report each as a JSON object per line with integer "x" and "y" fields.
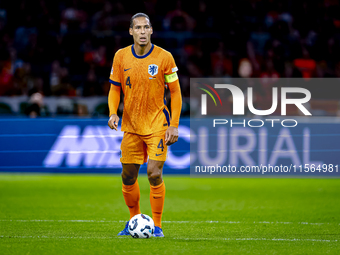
{"x": 65, "y": 48}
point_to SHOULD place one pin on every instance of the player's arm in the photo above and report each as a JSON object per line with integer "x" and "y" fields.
{"x": 114, "y": 94}
{"x": 171, "y": 135}
{"x": 114, "y": 99}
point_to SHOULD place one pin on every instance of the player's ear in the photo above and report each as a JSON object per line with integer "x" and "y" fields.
{"x": 151, "y": 31}
{"x": 130, "y": 31}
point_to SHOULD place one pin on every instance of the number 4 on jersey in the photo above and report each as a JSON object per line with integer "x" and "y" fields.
{"x": 128, "y": 83}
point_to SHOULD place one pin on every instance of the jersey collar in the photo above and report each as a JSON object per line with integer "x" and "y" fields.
{"x": 144, "y": 56}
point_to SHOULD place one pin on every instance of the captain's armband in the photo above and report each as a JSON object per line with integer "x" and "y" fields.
{"x": 171, "y": 77}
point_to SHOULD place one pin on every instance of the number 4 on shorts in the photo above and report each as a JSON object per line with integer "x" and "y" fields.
{"x": 160, "y": 145}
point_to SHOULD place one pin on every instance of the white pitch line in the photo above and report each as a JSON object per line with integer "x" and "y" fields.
{"x": 186, "y": 239}
{"x": 86, "y": 221}
{"x": 175, "y": 222}
{"x": 60, "y": 237}
{"x": 257, "y": 239}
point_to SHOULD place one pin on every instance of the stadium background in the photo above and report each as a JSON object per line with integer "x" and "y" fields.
{"x": 55, "y": 59}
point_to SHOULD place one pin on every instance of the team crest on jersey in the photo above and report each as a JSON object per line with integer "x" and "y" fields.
{"x": 153, "y": 69}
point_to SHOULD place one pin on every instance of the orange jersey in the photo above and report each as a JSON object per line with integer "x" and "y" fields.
{"x": 142, "y": 79}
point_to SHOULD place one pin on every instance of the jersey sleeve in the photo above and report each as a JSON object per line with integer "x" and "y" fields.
{"x": 116, "y": 70}
{"x": 171, "y": 78}
{"x": 176, "y": 102}
{"x": 114, "y": 99}
{"x": 170, "y": 65}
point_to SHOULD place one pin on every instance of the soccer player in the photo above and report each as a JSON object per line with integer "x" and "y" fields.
{"x": 143, "y": 71}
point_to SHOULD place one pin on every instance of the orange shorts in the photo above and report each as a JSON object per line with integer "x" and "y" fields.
{"x": 135, "y": 149}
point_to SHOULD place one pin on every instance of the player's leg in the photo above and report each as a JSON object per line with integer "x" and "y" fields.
{"x": 133, "y": 154}
{"x": 157, "y": 151}
{"x": 157, "y": 193}
{"x": 130, "y": 188}
{"x": 131, "y": 192}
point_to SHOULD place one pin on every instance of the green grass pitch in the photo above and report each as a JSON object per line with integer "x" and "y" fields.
{"x": 82, "y": 214}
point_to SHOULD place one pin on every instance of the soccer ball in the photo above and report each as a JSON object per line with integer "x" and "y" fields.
{"x": 141, "y": 226}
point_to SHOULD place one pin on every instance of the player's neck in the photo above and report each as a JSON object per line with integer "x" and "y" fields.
{"x": 142, "y": 50}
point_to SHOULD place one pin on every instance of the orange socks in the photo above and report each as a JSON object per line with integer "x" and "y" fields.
{"x": 131, "y": 195}
{"x": 157, "y": 195}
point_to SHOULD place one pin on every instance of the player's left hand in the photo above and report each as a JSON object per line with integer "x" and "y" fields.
{"x": 171, "y": 135}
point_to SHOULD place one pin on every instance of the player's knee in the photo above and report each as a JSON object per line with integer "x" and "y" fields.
{"x": 155, "y": 177}
{"x": 128, "y": 179}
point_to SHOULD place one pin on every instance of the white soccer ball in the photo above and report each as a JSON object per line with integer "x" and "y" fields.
{"x": 141, "y": 226}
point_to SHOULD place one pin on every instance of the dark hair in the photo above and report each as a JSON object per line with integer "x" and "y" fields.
{"x": 137, "y": 15}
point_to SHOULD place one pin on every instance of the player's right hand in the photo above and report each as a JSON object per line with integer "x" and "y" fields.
{"x": 113, "y": 121}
